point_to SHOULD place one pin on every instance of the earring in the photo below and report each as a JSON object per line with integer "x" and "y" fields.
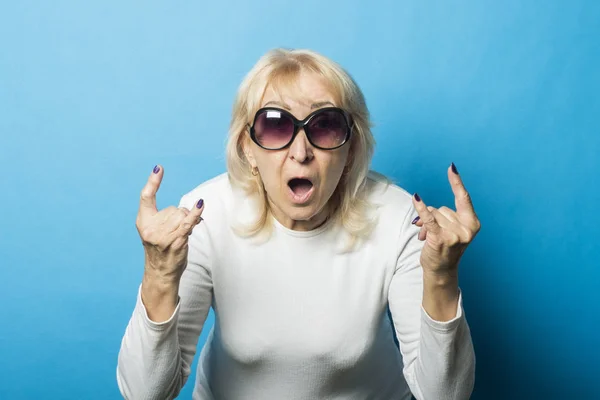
{"x": 254, "y": 171}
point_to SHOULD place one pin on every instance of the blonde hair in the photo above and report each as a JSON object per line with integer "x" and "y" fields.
{"x": 279, "y": 68}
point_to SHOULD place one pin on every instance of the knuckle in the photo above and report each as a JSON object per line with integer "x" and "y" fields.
{"x": 473, "y": 228}
{"x": 467, "y": 233}
{"x": 176, "y": 244}
{"x": 466, "y": 196}
{"x": 147, "y": 234}
{"x": 428, "y": 220}
{"x": 469, "y": 237}
{"x": 180, "y": 243}
{"x": 435, "y": 241}
{"x": 163, "y": 246}
{"x": 454, "y": 240}
{"x": 168, "y": 213}
{"x": 146, "y": 194}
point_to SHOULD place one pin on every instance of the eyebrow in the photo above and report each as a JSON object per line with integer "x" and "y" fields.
{"x": 313, "y": 106}
{"x": 321, "y": 104}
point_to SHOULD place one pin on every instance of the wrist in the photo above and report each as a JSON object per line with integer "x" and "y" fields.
{"x": 440, "y": 295}
{"x": 160, "y": 297}
{"x": 159, "y": 285}
{"x": 441, "y": 278}
{"x": 160, "y": 274}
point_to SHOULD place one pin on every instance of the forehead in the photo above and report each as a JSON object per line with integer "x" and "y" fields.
{"x": 300, "y": 90}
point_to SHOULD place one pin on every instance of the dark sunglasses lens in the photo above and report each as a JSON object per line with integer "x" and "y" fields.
{"x": 328, "y": 129}
{"x": 273, "y": 129}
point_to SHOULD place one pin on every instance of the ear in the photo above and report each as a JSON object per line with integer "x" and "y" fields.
{"x": 349, "y": 158}
{"x": 247, "y": 148}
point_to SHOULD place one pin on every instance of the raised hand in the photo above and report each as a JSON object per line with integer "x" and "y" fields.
{"x": 164, "y": 233}
{"x": 446, "y": 232}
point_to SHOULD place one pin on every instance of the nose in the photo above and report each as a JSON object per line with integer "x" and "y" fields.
{"x": 301, "y": 149}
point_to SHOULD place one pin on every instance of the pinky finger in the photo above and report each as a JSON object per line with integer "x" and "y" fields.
{"x": 423, "y": 234}
{"x": 417, "y": 221}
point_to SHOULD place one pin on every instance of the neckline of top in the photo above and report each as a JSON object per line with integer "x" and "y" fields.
{"x": 302, "y": 234}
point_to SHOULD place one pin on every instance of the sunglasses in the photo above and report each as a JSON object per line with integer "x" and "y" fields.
{"x": 326, "y": 128}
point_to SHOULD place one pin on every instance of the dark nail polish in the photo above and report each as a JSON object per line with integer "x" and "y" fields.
{"x": 454, "y": 169}
{"x": 200, "y": 203}
{"x": 156, "y": 169}
{"x": 417, "y": 197}
{"x": 414, "y": 221}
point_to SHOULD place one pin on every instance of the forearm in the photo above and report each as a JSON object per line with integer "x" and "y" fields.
{"x": 438, "y": 355}
{"x": 440, "y": 295}
{"x": 160, "y": 297}
{"x": 150, "y": 360}
{"x": 445, "y": 368}
{"x": 446, "y": 350}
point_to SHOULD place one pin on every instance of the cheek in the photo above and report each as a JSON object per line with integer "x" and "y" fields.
{"x": 333, "y": 173}
{"x": 270, "y": 168}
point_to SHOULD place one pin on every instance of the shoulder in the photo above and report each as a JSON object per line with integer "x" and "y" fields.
{"x": 224, "y": 203}
{"x": 394, "y": 212}
{"x": 216, "y": 193}
{"x": 390, "y": 199}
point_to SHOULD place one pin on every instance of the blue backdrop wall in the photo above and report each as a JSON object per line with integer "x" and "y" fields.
{"x": 94, "y": 94}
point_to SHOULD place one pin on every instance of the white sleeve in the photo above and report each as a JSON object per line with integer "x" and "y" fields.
{"x": 155, "y": 359}
{"x": 438, "y": 357}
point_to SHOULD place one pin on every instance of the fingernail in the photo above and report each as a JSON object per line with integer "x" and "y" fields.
{"x": 454, "y": 169}
{"x": 417, "y": 197}
{"x": 414, "y": 221}
{"x": 200, "y": 203}
{"x": 156, "y": 169}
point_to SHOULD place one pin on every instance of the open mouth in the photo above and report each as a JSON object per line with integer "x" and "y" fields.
{"x": 301, "y": 188}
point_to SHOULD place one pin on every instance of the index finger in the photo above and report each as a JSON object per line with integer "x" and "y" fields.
{"x": 148, "y": 195}
{"x": 462, "y": 199}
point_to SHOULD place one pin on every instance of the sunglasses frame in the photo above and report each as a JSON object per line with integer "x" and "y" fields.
{"x": 302, "y": 124}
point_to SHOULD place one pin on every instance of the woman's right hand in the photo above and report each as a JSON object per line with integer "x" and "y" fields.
{"x": 165, "y": 237}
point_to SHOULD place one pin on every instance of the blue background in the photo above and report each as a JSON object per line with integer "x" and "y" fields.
{"x": 93, "y": 94}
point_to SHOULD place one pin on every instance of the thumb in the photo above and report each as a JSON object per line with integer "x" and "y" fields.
{"x": 148, "y": 195}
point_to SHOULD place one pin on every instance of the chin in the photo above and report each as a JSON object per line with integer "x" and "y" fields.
{"x": 301, "y": 213}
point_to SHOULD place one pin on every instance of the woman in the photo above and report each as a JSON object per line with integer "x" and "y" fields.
{"x": 300, "y": 252}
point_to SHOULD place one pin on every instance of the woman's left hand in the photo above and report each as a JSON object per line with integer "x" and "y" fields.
{"x": 446, "y": 232}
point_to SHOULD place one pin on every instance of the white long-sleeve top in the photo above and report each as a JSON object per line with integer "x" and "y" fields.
{"x": 297, "y": 319}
